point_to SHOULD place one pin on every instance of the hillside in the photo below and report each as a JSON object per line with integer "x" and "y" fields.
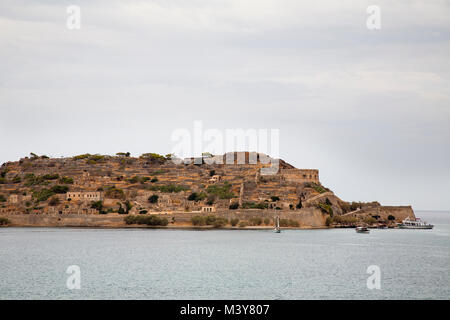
{"x": 111, "y": 186}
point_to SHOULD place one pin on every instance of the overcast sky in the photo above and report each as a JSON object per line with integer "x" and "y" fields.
{"x": 369, "y": 108}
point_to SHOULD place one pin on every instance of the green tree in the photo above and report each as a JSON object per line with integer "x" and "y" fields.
{"x": 4, "y": 221}
{"x": 97, "y": 205}
{"x": 234, "y": 222}
{"x": 59, "y": 189}
{"x": 234, "y": 206}
{"x": 54, "y": 201}
{"x": 153, "y": 198}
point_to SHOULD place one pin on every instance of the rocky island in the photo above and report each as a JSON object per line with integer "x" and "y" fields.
{"x": 153, "y": 190}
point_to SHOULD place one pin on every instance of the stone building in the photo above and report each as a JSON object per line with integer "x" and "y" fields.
{"x": 215, "y": 178}
{"x": 84, "y": 196}
{"x": 300, "y": 175}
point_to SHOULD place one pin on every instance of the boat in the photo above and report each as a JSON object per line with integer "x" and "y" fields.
{"x": 415, "y": 223}
{"x": 277, "y": 225}
{"x": 362, "y": 230}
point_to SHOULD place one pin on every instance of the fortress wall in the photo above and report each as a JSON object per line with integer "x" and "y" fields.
{"x": 307, "y": 217}
{"x": 300, "y": 175}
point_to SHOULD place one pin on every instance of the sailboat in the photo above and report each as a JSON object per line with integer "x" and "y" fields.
{"x": 277, "y": 225}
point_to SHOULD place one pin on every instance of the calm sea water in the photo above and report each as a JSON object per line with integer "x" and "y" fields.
{"x": 219, "y": 264}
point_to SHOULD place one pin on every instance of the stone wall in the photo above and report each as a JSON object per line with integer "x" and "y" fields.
{"x": 308, "y": 218}
{"x": 300, "y": 175}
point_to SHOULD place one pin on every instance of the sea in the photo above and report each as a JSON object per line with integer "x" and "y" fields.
{"x": 89, "y": 263}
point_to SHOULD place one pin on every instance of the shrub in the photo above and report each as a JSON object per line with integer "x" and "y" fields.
{"x": 59, "y": 189}
{"x": 275, "y": 198}
{"x": 154, "y": 180}
{"x": 212, "y": 173}
{"x": 171, "y": 188}
{"x": 243, "y": 224}
{"x": 42, "y": 195}
{"x": 222, "y": 191}
{"x": 355, "y": 205}
{"x": 16, "y": 179}
{"x": 114, "y": 193}
{"x": 370, "y": 220}
{"x": 153, "y": 198}
{"x": 317, "y": 187}
{"x": 82, "y": 156}
{"x": 128, "y": 206}
{"x": 2, "y": 180}
{"x": 220, "y": 222}
{"x": 144, "y": 179}
{"x": 153, "y": 156}
{"x": 2, "y": 198}
{"x": 4, "y": 221}
{"x": 391, "y": 217}
{"x": 150, "y": 220}
{"x": 50, "y": 176}
{"x": 234, "y": 222}
{"x": 252, "y": 205}
{"x": 211, "y": 199}
{"x": 54, "y": 201}
{"x": 143, "y": 211}
{"x": 66, "y": 180}
{"x": 3, "y": 173}
{"x": 198, "y": 221}
{"x": 97, "y": 205}
{"x": 121, "y": 210}
{"x": 123, "y": 154}
{"x": 95, "y": 158}
{"x": 134, "y": 179}
{"x": 234, "y": 206}
{"x": 194, "y": 196}
{"x": 255, "y": 221}
{"x": 209, "y": 220}
{"x": 325, "y": 208}
{"x": 32, "y": 180}
{"x": 154, "y": 173}
{"x": 345, "y": 206}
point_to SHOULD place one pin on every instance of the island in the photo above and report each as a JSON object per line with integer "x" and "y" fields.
{"x": 153, "y": 190}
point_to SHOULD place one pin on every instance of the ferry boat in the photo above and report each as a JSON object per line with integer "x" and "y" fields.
{"x": 362, "y": 230}
{"x": 414, "y": 223}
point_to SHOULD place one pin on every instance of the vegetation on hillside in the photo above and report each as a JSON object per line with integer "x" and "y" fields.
{"x": 170, "y": 188}
{"x": 223, "y": 191}
{"x": 4, "y": 221}
{"x": 210, "y": 220}
{"x": 150, "y": 220}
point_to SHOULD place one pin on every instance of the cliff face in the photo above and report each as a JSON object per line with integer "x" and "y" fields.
{"x": 108, "y": 186}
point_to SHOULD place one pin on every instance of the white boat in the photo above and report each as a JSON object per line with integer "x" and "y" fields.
{"x": 277, "y": 225}
{"x": 414, "y": 223}
{"x": 362, "y": 230}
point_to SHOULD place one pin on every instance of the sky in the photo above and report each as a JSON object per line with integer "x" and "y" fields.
{"x": 369, "y": 108}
